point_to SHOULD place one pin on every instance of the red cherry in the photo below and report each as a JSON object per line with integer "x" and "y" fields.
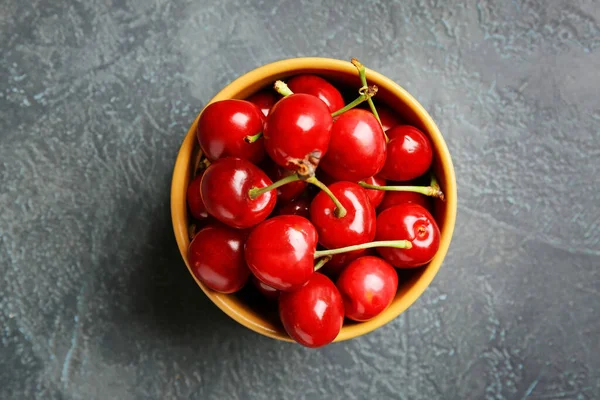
{"x": 356, "y": 227}
{"x": 223, "y": 126}
{"x": 264, "y": 289}
{"x": 299, "y": 206}
{"x": 319, "y": 87}
{"x": 413, "y": 223}
{"x": 357, "y": 149}
{"x": 375, "y": 196}
{"x": 265, "y": 99}
{"x": 394, "y": 198}
{"x": 216, "y": 258}
{"x": 226, "y": 189}
{"x": 314, "y": 314}
{"x": 280, "y": 251}
{"x": 389, "y": 118}
{"x": 194, "y": 199}
{"x": 367, "y": 285}
{"x": 289, "y": 191}
{"x": 409, "y": 154}
{"x": 297, "y": 132}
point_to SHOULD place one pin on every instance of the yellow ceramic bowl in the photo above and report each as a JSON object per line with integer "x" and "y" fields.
{"x": 413, "y": 284}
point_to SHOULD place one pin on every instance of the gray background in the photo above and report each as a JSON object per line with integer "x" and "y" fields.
{"x": 95, "y": 99}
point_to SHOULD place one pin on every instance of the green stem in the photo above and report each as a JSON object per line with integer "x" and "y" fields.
{"x": 322, "y": 262}
{"x": 433, "y": 191}
{"x": 435, "y": 185}
{"x": 283, "y": 89}
{"x": 398, "y": 244}
{"x": 255, "y": 192}
{"x": 253, "y": 138}
{"x": 362, "y": 73}
{"x": 340, "y": 211}
{"x": 366, "y": 92}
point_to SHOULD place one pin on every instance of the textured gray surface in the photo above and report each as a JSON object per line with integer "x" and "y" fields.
{"x": 95, "y": 98}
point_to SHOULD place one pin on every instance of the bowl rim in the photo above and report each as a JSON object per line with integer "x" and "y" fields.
{"x": 291, "y": 65}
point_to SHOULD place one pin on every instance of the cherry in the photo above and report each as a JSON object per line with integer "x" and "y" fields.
{"x": 216, "y": 258}
{"x": 264, "y": 289}
{"x": 297, "y": 132}
{"x": 356, "y": 227}
{"x": 409, "y": 154}
{"x": 265, "y": 99}
{"x": 367, "y": 285}
{"x": 313, "y": 315}
{"x": 280, "y": 251}
{"x": 194, "y": 199}
{"x": 228, "y": 189}
{"x": 414, "y": 223}
{"x": 394, "y": 198}
{"x": 224, "y": 124}
{"x": 319, "y": 87}
{"x": 289, "y": 191}
{"x": 375, "y": 196}
{"x": 299, "y": 206}
{"x": 357, "y": 149}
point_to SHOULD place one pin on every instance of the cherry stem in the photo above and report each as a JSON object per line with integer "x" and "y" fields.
{"x": 366, "y": 92}
{"x": 398, "y": 244}
{"x": 205, "y": 162}
{"x": 339, "y": 211}
{"x": 201, "y": 164}
{"x": 283, "y": 89}
{"x": 433, "y": 191}
{"x": 362, "y": 73}
{"x": 255, "y": 192}
{"x": 434, "y": 184}
{"x": 253, "y": 138}
{"x": 322, "y": 262}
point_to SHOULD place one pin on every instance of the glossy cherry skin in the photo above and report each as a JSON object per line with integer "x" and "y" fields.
{"x": 216, "y": 257}
{"x": 356, "y": 227}
{"x": 313, "y": 315}
{"x": 280, "y": 251}
{"x": 408, "y": 222}
{"x": 319, "y": 87}
{"x": 357, "y": 149}
{"x": 409, "y": 154}
{"x": 223, "y": 126}
{"x": 265, "y": 99}
{"x": 267, "y": 291}
{"x": 375, "y": 196}
{"x": 367, "y": 285}
{"x": 194, "y": 199}
{"x": 299, "y": 206}
{"x": 225, "y": 186}
{"x": 392, "y": 199}
{"x": 289, "y": 191}
{"x": 297, "y": 131}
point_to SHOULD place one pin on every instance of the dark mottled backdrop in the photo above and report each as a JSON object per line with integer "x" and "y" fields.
{"x": 95, "y": 98}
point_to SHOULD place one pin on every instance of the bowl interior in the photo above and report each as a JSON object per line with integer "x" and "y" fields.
{"x": 247, "y": 307}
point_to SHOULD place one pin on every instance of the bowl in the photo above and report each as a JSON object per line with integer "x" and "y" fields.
{"x": 414, "y": 282}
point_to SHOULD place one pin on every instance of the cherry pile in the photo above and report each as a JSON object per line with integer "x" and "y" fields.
{"x": 294, "y": 180}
